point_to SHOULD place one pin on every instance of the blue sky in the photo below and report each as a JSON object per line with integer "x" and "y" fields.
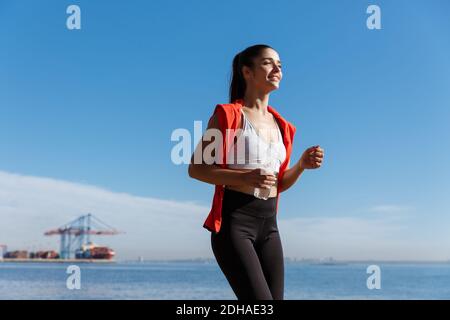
{"x": 97, "y": 106}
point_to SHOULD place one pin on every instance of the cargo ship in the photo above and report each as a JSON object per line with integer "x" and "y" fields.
{"x": 44, "y": 255}
{"x": 93, "y": 251}
{"x": 18, "y": 254}
{"x": 23, "y": 254}
{"x": 87, "y": 253}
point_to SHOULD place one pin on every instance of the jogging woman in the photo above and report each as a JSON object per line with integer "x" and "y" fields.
{"x": 250, "y": 170}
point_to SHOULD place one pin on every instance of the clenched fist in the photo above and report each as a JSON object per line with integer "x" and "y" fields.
{"x": 312, "y": 158}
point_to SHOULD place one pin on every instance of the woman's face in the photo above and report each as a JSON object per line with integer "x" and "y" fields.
{"x": 266, "y": 73}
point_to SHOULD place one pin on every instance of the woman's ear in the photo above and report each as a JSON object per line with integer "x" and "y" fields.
{"x": 246, "y": 72}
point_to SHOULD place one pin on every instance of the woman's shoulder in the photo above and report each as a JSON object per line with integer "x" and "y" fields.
{"x": 278, "y": 116}
{"x": 227, "y": 110}
{"x": 227, "y": 107}
{"x": 228, "y": 116}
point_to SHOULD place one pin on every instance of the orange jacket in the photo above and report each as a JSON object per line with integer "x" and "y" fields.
{"x": 229, "y": 116}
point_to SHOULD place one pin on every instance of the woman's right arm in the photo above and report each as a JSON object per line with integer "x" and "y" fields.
{"x": 214, "y": 174}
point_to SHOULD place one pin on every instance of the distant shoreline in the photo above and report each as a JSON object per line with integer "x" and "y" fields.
{"x": 9, "y": 260}
{"x": 213, "y": 261}
{"x": 298, "y": 261}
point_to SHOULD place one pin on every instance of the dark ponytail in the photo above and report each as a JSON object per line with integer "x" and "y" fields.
{"x": 244, "y": 58}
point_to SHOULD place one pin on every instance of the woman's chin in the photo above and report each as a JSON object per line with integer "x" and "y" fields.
{"x": 273, "y": 85}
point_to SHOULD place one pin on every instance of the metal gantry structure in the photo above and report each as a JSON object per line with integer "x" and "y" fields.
{"x": 78, "y": 232}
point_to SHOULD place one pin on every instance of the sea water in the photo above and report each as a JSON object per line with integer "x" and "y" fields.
{"x": 204, "y": 280}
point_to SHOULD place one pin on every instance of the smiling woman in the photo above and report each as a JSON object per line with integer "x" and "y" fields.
{"x": 252, "y": 174}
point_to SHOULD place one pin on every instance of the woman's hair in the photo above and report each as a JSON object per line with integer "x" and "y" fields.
{"x": 244, "y": 58}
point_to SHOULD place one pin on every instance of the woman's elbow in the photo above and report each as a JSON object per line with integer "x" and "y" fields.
{"x": 191, "y": 171}
{"x": 194, "y": 171}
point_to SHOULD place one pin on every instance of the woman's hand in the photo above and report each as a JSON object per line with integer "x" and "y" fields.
{"x": 259, "y": 178}
{"x": 312, "y": 158}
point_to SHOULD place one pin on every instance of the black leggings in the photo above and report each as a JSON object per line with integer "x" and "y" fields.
{"x": 248, "y": 247}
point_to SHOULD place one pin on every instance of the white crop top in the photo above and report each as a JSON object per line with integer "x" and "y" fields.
{"x": 251, "y": 151}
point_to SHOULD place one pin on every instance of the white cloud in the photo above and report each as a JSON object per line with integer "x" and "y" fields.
{"x": 162, "y": 229}
{"x": 390, "y": 208}
{"x": 154, "y": 228}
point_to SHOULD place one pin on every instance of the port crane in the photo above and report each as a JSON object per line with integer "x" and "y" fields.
{"x": 77, "y": 233}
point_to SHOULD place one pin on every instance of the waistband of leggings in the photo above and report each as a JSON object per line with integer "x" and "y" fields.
{"x": 236, "y": 201}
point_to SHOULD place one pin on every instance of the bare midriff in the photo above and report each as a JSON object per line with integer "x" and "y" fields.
{"x": 250, "y": 189}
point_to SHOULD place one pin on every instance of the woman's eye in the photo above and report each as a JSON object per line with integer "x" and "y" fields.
{"x": 267, "y": 63}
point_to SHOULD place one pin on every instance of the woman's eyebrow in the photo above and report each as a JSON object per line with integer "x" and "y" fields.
{"x": 270, "y": 59}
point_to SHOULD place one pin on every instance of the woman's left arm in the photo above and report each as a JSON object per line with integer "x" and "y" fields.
{"x": 311, "y": 159}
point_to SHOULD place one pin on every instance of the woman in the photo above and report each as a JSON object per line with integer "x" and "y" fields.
{"x": 254, "y": 161}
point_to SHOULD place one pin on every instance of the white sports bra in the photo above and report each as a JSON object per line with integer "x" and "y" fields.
{"x": 251, "y": 151}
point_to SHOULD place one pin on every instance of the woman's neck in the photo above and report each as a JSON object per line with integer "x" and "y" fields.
{"x": 257, "y": 102}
